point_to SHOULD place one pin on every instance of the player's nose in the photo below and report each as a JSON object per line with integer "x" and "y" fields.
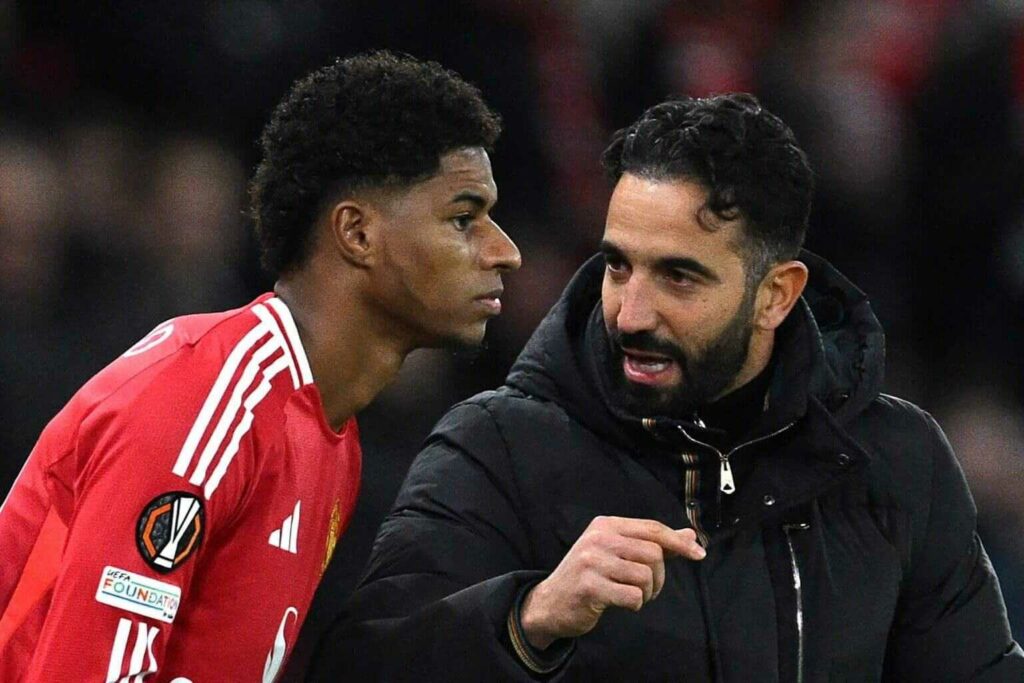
{"x": 499, "y": 252}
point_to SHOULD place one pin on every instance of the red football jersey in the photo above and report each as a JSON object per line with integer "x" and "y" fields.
{"x": 175, "y": 517}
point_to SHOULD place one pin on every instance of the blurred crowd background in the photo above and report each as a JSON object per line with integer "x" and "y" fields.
{"x": 128, "y": 131}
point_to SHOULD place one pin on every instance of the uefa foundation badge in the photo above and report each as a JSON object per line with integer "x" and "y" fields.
{"x": 170, "y": 529}
{"x": 138, "y": 594}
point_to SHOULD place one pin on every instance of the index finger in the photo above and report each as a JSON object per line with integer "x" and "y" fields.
{"x": 676, "y": 541}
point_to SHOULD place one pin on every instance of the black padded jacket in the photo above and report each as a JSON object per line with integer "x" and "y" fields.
{"x": 848, "y": 551}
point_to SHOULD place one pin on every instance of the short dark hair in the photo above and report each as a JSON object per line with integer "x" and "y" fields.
{"x": 744, "y": 156}
{"x": 374, "y": 119}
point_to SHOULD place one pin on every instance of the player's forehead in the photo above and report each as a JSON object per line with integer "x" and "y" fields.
{"x": 464, "y": 173}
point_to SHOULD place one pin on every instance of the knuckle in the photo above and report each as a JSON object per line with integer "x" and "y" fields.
{"x": 636, "y": 599}
{"x": 652, "y": 552}
{"x": 659, "y": 575}
{"x": 643, "y": 577}
{"x": 653, "y": 527}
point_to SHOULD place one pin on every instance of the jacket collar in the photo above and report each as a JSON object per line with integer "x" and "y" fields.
{"x": 828, "y": 367}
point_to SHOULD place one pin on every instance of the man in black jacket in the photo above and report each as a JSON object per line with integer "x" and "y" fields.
{"x": 690, "y": 473}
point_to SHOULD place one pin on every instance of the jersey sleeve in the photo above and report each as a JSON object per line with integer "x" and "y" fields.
{"x": 154, "y": 480}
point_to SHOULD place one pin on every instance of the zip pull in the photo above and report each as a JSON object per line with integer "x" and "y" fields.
{"x": 726, "y": 483}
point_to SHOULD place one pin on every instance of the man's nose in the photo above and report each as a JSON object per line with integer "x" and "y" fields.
{"x": 499, "y": 252}
{"x": 636, "y": 309}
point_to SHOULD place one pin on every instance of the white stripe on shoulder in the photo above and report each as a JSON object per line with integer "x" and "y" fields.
{"x": 216, "y": 395}
{"x": 234, "y": 404}
{"x": 244, "y": 425}
{"x": 270, "y": 321}
{"x": 293, "y": 338}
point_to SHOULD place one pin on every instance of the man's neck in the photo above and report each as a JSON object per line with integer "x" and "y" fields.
{"x": 739, "y": 409}
{"x": 351, "y": 353}
{"x": 737, "y": 412}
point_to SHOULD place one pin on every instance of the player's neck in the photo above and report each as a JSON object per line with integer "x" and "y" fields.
{"x": 351, "y": 358}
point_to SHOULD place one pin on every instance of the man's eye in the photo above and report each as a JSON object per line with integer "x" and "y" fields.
{"x": 615, "y": 264}
{"x": 463, "y": 222}
{"x": 680, "y": 277}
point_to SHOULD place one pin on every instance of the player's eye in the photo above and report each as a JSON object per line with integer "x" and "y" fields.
{"x": 463, "y": 222}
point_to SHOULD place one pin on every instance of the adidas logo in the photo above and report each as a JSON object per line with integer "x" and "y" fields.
{"x": 287, "y": 537}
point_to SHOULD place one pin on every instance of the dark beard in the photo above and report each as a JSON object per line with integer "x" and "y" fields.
{"x": 705, "y": 375}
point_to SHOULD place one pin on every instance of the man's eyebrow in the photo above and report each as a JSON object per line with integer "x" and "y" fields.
{"x": 668, "y": 262}
{"x": 609, "y": 249}
{"x": 690, "y": 264}
{"x": 478, "y": 200}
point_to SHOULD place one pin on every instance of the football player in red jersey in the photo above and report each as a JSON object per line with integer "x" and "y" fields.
{"x": 174, "y": 519}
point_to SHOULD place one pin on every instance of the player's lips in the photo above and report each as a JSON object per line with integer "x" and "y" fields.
{"x": 644, "y": 367}
{"x": 491, "y": 300}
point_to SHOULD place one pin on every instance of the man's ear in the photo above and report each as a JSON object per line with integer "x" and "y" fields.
{"x": 354, "y": 228}
{"x": 778, "y": 293}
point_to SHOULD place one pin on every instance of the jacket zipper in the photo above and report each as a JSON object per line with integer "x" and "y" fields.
{"x": 691, "y": 487}
{"x": 798, "y": 590}
{"x": 726, "y": 483}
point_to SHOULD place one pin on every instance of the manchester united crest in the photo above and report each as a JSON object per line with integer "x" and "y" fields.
{"x": 170, "y": 529}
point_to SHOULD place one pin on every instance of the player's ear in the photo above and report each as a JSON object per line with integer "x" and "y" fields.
{"x": 354, "y": 228}
{"x": 778, "y": 293}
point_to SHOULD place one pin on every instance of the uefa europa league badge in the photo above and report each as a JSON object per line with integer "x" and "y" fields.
{"x": 170, "y": 529}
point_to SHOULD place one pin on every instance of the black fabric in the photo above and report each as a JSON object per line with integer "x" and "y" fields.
{"x": 857, "y": 492}
{"x": 731, "y": 417}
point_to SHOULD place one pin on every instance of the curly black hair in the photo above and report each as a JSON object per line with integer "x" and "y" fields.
{"x": 744, "y": 156}
{"x": 372, "y": 120}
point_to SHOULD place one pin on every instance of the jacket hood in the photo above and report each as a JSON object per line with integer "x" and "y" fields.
{"x": 830, "y": 350}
